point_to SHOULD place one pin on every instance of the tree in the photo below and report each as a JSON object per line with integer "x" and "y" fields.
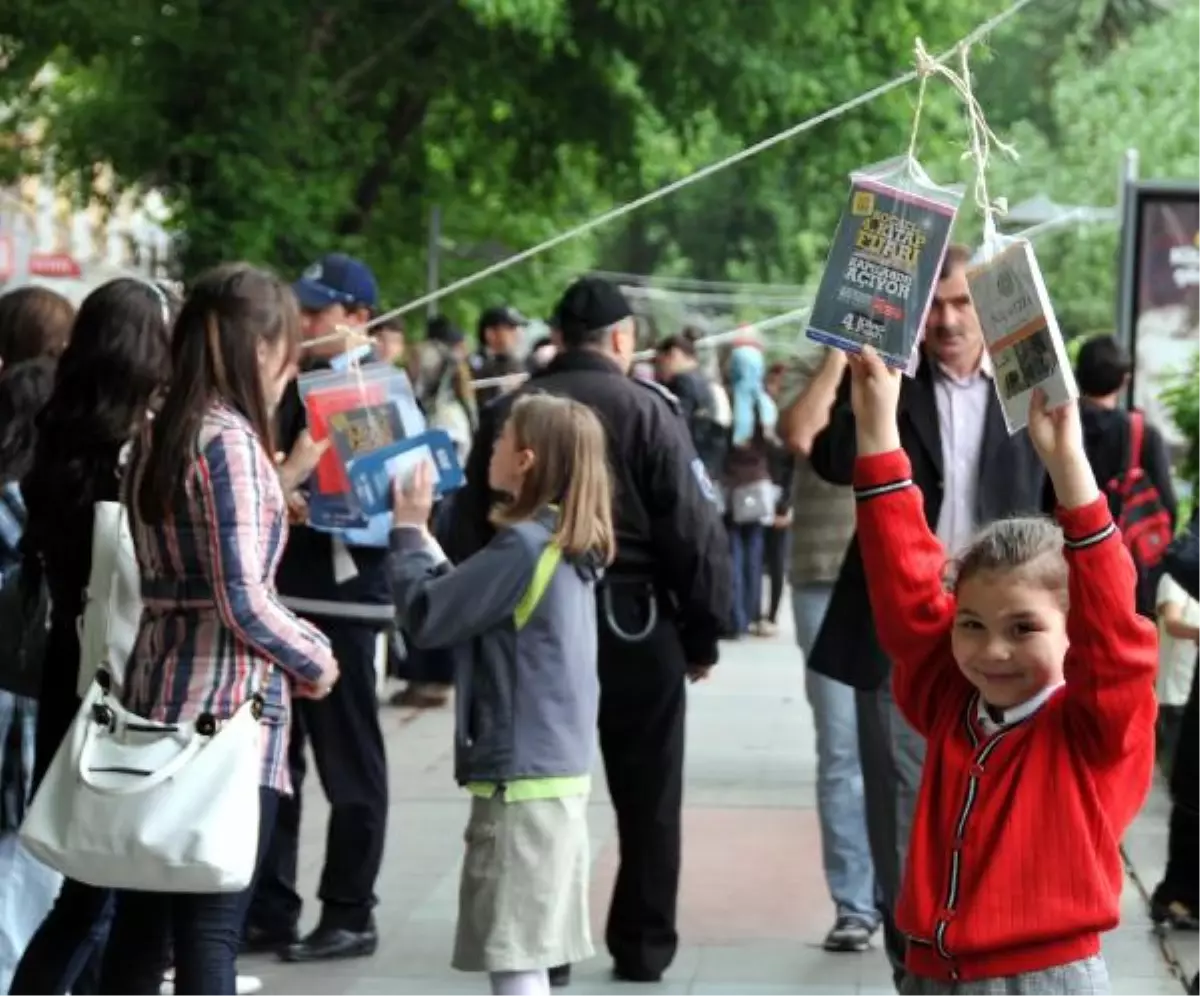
{"x": 1144, "y": 94}
{"x": 280, "y": 128}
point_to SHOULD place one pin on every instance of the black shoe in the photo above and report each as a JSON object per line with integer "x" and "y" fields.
{"x": 1175, "y": 914}
{"x": 850, "y": 933}
{"x": 332, "y": 943}
{"x": 560, "y": 976}
{"x": 630, "y": 973}
{"x": 259, "y": 940}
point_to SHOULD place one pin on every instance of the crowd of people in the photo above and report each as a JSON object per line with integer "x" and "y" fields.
{"x": 615, "y": 527}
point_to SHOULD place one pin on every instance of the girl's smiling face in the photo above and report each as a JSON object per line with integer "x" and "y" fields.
{"x": 1010, "y": 636}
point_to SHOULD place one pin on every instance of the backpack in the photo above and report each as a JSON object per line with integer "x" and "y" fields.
{"x": 1141, "y": 516}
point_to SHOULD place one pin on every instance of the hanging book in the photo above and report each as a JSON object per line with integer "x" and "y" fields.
{"x": 361, "y": 410}
{"x": 1020, "y": 330}
{"x": 885, "y": 261}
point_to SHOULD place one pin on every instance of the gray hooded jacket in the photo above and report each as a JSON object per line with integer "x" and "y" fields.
{"x": 521, "y": 624}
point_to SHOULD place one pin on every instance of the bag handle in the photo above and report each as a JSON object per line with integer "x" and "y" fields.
{"x": 1137, "y": 433}
{"x": 155, "y": 778}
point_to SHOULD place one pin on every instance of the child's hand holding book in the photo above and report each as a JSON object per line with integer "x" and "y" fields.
{"x": 874, "y": 395}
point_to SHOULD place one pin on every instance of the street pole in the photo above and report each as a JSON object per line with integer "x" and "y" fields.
{"x": 435, "y": 241}
{"x": 1127, "y": 202}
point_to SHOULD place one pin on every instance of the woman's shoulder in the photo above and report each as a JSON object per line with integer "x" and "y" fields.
{"x": 223, "y": 427}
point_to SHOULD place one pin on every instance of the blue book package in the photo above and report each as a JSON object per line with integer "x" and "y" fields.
{"x": 371, "y": 475}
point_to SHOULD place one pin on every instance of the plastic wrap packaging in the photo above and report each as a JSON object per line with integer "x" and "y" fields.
{"x": 1022, "y": 335}
{"x": 362, "y": 409}
{"x": 885, "y": 262}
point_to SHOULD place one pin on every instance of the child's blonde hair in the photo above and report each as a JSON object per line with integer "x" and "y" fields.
{"x": 570, "y": 470}
{"x": 1031, "y": 546}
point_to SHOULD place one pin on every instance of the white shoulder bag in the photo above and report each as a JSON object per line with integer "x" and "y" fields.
{"x": 129, "y": 803}
{"x": 112, "y": 608}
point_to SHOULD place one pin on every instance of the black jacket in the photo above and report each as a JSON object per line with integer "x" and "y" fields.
{"x": 668, "y": 529}
{"x": 698, "y": 408}
{"x": 306, "y": 580}
{"x": 1011, "y": 482}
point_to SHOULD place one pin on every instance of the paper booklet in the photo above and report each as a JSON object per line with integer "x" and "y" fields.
{"x": 1020, "y": 330}
{"x": 885, "y": 261}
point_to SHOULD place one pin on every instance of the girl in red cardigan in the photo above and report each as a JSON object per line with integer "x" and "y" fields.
{"x": 1031, "y": 677}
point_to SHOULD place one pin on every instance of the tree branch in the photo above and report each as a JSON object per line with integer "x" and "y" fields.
{"x": 406, "y": 116}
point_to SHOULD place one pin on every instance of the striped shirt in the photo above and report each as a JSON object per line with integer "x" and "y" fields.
{"x": 213, "y": 631}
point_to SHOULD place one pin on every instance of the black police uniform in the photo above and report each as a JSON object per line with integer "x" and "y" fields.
{"x": 662, "y": 606}
{"x": 347, "y": 744}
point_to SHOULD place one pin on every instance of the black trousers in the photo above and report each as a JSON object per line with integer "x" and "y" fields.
{"x": 643, "y": 705}
{"x": 775, "y": 550}
{"x": 1181, "y": 882}
{"x": 347, "y": 746}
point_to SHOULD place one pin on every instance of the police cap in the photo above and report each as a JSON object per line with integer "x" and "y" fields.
{"x": 589, "y": 306}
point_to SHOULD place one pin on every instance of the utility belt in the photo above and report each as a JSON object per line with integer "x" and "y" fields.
{"x": 631, "y": 606}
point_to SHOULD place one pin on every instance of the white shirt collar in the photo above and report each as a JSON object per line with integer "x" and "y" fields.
{"x": 1016, "y": 713}
{"x": 984, "y": 369}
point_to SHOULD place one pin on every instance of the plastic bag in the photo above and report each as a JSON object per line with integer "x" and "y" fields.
{"x": 885, "y": 262}
{"x": 1019, "y": 328}
{"x": 362, "y": 409}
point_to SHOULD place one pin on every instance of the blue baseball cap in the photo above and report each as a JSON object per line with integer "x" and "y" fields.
{"x": 337, "y": 279}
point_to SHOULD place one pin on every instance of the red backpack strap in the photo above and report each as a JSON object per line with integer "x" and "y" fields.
{"x": 1137, "y": 432}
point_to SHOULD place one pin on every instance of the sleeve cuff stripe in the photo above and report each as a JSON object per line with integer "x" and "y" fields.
{"x": 1092, "y": 539}
{"x": 877, "y": 490}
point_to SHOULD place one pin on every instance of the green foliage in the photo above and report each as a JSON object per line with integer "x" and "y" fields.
{"x": 1143, "y": 95}
{"x": 1183, "y": 402}
{"x": 280, "y": 129}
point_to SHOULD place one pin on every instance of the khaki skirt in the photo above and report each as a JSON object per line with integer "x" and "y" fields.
{"x": 523, "y": 899}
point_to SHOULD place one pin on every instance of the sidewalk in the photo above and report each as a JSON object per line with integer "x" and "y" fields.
{"x": 753, "y": 905}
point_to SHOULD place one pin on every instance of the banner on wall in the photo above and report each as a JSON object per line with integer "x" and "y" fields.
{"x": 1162, "y": 232}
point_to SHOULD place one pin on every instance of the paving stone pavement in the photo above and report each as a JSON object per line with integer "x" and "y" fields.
{"x": 753, "y": 905}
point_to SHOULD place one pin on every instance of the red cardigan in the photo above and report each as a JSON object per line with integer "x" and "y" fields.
{"x": 1013, "y": 864}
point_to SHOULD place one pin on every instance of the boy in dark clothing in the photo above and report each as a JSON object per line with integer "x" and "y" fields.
{"x": 1102, "y": 372}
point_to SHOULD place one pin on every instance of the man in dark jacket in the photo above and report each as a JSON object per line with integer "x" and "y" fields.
{"x": 970, "y": 472}
{"x": 678, "y": 370}
{"x": 662, "y": 605}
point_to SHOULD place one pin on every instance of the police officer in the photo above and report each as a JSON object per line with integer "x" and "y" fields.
{"x": 661, "y": 607}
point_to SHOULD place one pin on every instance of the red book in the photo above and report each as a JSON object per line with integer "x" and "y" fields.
{"x": 325, "y": 402}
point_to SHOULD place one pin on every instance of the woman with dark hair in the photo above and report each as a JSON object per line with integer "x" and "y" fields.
{"x": 107, "y": 380}
{"x": 28, "y": 887}
{"x": 34, "y": 322}
{"x": 209, "y": 521}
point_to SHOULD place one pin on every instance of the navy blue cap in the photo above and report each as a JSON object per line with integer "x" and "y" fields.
{"x": 337, "y": 279}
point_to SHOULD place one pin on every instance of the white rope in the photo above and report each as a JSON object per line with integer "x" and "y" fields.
{"x": 705, "y": 342}
{"x": 767, "y": 143}
{"x": 981, "y": 135}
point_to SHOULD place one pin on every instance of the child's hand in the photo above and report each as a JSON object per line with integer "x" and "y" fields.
{"x": 1057, "y": 435}
{"x": 874, "y": 394}
{"x": 412, "y": 504}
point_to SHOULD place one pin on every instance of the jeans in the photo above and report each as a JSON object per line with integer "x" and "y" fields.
{"x": 841, "y": 807}
{"x": 201, "y": 930}
{"x": 746, "y": 548}
{"x": 65, "y": 953}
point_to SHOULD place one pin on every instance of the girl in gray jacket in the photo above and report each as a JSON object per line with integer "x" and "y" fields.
{"x": 520, "y": 620}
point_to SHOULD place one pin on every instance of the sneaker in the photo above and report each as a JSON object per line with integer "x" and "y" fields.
{"x": 850, "y": 933}
{"x": 247, "y": 985}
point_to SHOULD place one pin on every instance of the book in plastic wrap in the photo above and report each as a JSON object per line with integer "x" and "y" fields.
{"x": 1021, "y": 332}
{"x": 884, "y": 264}
{"x": 361, "y": 410}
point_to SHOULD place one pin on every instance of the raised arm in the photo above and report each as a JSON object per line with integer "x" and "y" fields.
{"x": 438, "y": 605}
{"x": 835, "y": 447}
{"x": 1111, "y": 666}
{"x": 904, "y": 562}
{"x": 232, "y": 472}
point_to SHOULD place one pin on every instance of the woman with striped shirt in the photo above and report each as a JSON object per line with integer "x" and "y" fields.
{"x": 209, "y": 522}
